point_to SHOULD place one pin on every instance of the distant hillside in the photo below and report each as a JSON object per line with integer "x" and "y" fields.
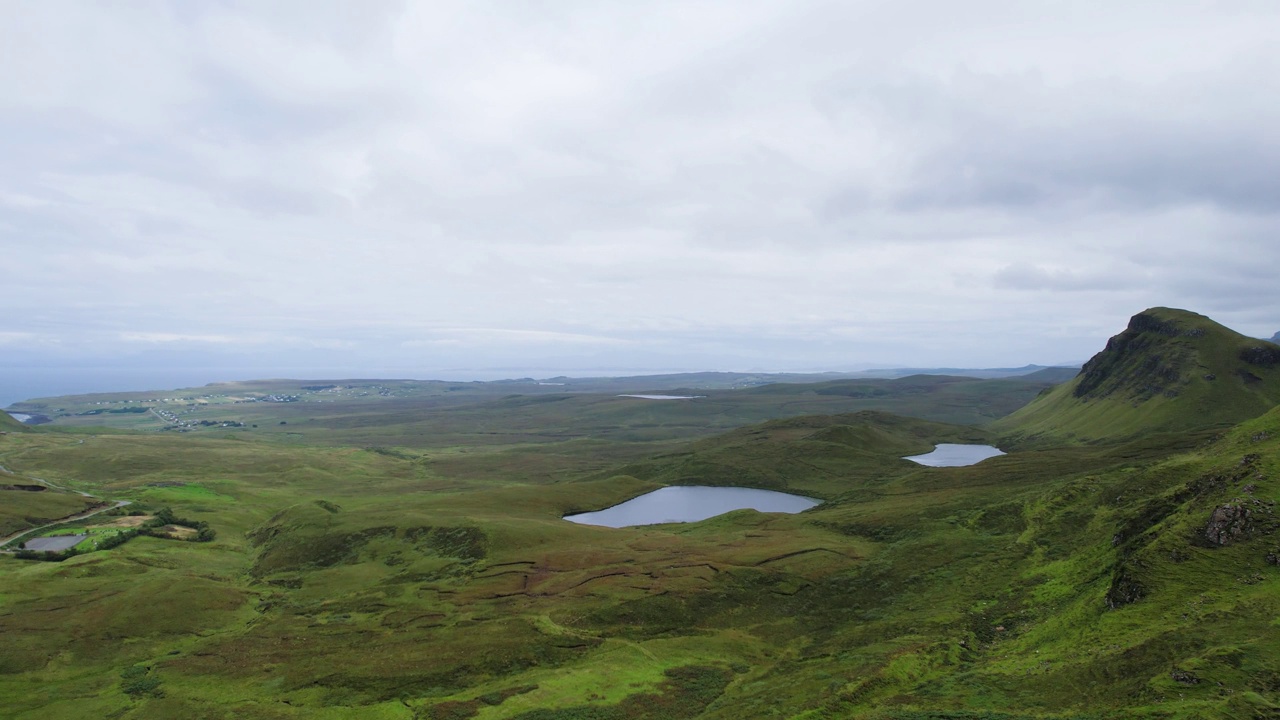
{"x": 982, "y": 373}
{"x": 1169, "y": 370}
{"x": 941, "y": 398}
{"x": 1053, "y": 375}
{"x": 7, "y": 423}
{"x": 734, "y": 380}
{"x": 822, "y": 455}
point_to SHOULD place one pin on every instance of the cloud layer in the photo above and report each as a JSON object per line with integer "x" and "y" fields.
{"x": 707, "y": 184}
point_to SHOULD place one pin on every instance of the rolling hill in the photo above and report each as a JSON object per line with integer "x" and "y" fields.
{"x": 431, "y": 576}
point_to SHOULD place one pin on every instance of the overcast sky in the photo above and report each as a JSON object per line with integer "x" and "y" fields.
{"x": 436, "y": 188}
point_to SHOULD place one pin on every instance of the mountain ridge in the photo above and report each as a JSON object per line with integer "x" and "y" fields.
{"x": 1168, "y": 370}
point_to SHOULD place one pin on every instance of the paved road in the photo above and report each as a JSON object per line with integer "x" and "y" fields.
{"x": 70, "y": 518}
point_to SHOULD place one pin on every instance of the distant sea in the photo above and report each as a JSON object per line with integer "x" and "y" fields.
{"x": 26, "y": 383}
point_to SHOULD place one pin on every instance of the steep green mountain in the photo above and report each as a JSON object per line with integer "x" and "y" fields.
{"x": 1170, "y": 370}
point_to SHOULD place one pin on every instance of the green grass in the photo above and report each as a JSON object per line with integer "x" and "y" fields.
{"x": 440, "y": 416}
{"x": 27, "y": 503}
{"x": 377, "y": 560}
{"x": 22, "y": 510}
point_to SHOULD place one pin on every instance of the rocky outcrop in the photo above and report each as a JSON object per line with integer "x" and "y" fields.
{"x": 1264, "y": 355}
{"x": 1135, "y": 361}
{"x": 1227, "y": 524}
{"x": 1238, "y": 520}
{"x": 1125, "y": 589}
{"x": 1143, "y": 322}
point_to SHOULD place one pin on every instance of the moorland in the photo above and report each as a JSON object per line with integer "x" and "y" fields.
{"x": 396, "y": 548}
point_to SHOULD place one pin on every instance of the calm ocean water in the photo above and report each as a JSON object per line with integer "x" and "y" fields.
{"x": 25, "y": 383}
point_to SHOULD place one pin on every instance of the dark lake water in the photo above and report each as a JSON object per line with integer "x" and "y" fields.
{"x": 55, "y": 544}
{"x": 952, "y": 455}
{"x": 690, "y": 504}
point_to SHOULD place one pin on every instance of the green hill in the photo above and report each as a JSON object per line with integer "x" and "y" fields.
{"x": 819, "y": 455}
{"x": 434, "y": 577}
{"x": 8, "y": 424}
{"x": 1170, "y": 370}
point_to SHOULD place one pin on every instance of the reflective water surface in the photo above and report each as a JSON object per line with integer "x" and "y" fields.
{"x": 54, "y": 544}
{"x": 953, "y": 455}
{"x": 690, "y": 504}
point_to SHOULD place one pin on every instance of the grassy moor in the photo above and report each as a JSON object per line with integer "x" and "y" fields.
{"x": 396, "y": 548}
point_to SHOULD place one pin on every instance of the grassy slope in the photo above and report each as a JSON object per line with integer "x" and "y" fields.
{"x": 816, "y": 455}
{"x": 439, "y": 582}
{"x": 421, "y": 591}
{"x": 22, "y": 509}
{"x": 8, "y": 424}
{"x": 1170, "y": 370}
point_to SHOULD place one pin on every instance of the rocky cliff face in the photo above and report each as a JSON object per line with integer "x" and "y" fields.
{"x": 1168, "y": 370}
{"x": 1139, "y": 363}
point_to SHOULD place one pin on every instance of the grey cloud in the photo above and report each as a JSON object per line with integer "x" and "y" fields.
{"x": 1014, "y": 142}
{"x": 712, "y": 184}
{"x": 1030, "y": 277}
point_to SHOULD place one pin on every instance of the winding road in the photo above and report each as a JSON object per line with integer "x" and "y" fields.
{"x": 70, "y": 518}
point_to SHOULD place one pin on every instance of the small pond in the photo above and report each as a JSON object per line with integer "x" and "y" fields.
{"x": 690, "y": 504}
{"x": 54, "y": 544}
{"x": 953, "y": 455}
{"x": 665, "y": 397}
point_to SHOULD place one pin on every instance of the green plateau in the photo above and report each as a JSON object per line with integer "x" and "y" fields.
{"x": 396, "y": 548}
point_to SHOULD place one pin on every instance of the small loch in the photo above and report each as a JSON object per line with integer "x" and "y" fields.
{"x": 56, "y": 543}
{"x": 690, "y": 503}
{"x": 955, "y": 455}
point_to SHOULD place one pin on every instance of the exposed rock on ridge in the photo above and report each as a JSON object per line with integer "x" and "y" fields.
{"x": 1138, "y": 363}
{"x": 1169, "y": 370}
